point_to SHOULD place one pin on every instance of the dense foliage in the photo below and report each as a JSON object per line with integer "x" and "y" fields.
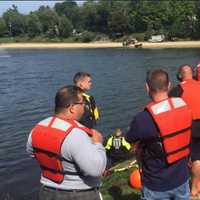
{"x": 103, "y": 19}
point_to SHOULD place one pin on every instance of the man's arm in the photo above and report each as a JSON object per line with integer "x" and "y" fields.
{"x": 126, "y": 144}
{"x": 88, "y": 153}
{"x": 29, "y": 147}
{"x": 95, "y": 109}
{"x": 141, "y": 128}
{"x": 131, "y": 135}
{"x": 109, "y": 144}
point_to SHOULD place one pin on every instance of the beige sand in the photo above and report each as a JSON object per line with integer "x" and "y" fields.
{"x": 62, "y": 45}
{"x": 182, "y": 44}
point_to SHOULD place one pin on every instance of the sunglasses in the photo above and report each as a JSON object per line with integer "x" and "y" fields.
{"x": 80, "y": 103}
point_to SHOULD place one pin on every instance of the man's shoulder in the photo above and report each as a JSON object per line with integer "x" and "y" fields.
{"x": 142, "y": 116}
{"x": 141, "y": 127}
{"x": 144, "y": 121}
{"x": 110, "y": 137}
{"x": 46, "y": 120}
{"x": 79, "y": 130}
{"x": 176, "y": 91}
{"x": 88, "y": 97}
{"x": 76, "y": 138}
{"x": 43, "y": 122}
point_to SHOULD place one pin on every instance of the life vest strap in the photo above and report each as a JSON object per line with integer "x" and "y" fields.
{"x": 176, "y": 133}
{"x": 64, "y": 172}
{"x": 178, "y": 150}
{"x": 51, "y": 154}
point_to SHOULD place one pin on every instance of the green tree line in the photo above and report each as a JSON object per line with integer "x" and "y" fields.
{"x": 105, "y": 19}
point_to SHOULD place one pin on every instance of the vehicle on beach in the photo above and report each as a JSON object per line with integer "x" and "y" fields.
{"x": 131, "y": 41}
{"x": 157, "y": 38}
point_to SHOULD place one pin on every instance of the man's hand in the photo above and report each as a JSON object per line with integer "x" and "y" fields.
{"x": 97, "y": 137}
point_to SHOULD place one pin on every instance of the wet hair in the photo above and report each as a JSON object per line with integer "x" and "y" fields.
{"x": 157, "y": 80}
{"x": 65, "y": 96}
{"x": 79, "y": 76}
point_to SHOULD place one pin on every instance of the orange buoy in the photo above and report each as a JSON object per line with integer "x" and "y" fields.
{"x": 135, "y": 180}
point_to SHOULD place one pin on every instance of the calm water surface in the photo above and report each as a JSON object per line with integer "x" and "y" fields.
{"x": 29, "y": 80}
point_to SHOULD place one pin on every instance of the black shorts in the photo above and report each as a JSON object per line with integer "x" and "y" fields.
{"x": 195, "y": 141}
{"x": 196, "y": 129}
{"x": 195, "y": 149}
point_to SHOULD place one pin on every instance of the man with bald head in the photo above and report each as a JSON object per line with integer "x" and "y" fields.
{"x": 189, "y": 90}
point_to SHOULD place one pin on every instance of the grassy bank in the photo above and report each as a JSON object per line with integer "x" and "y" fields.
{"x": 116, "y": 186}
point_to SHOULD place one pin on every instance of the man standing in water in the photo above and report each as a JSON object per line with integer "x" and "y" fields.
{"x": 117, "y": 148}
{"x": 163, "y": 132}
{"x": 71, "y": 156}
{"x": 189, "y": 90}
{"x": 91, "y": 114}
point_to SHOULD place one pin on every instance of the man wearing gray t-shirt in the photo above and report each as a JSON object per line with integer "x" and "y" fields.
{"x": 71, "y": 156}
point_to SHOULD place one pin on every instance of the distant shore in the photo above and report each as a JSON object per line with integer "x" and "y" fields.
{"x": 146, "y": 45}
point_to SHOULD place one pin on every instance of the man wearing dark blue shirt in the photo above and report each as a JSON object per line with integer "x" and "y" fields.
{"x": 164, "y": 167}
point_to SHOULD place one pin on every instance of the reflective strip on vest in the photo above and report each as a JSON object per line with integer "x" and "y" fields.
{"x": 47, "y": 139}
{"x": 94, "y": 111}
{"x": 173, "y": 119}
{"x": 117, "y": 142}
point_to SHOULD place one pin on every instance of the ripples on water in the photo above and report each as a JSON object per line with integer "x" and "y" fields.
{"x": 30, "y": 78}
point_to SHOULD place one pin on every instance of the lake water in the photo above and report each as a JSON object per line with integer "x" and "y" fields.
{"x": 29, "y": 80}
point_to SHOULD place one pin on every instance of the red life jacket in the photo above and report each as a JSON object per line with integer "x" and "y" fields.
{"x": 173, "y": 119}
{"x": 47, "y": 139}
{"x": 191, "y": 95}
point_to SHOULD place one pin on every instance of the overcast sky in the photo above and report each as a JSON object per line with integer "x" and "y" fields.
{"x": 26, "y": 6}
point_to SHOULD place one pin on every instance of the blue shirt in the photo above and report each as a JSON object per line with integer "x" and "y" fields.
{"x": 157, "y": 175}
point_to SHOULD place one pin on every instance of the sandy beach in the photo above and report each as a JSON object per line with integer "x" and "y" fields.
{"x": 147, "y": 45}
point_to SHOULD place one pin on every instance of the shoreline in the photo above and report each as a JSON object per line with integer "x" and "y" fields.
{"x": 146, "y": 45}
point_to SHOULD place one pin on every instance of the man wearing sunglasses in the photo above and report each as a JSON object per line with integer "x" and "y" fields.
{"x": 71, "y": 156}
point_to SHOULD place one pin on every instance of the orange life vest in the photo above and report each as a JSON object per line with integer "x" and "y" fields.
{"x": 47, "y": 139}
{"x": 173, "y": 119}
{"x": 191, "y": 95}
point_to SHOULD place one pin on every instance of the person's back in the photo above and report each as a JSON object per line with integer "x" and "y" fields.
{"x": 61, "y": 145}
{"x": 158, "y": 129}
{"x": 91, "y": 114}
